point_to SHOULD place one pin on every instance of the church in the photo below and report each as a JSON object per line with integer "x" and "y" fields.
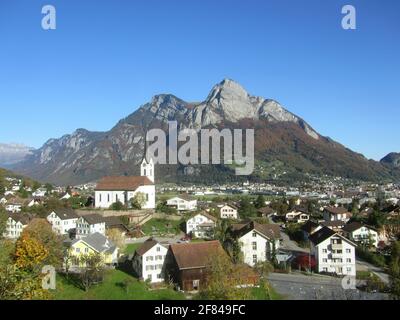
{"x": 113, "y": 189}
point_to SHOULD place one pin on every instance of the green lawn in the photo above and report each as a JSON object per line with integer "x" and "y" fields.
{"x": 161, "y": 226}
{"x": 131, "y": 248}
{"x": 259, "y": 294}
{"x": 111, "y": 289}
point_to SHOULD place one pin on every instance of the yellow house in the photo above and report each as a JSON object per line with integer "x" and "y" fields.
{"x": 95, "y": 243}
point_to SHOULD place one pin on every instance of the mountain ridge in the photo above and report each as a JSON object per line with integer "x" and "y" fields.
{"x": 281, "y": 137}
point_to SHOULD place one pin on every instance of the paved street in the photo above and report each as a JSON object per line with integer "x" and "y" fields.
{"x": 297, "y": 286}
{"x": 363, "y": 266}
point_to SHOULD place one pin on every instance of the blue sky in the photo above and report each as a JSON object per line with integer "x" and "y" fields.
{"x": 108, "y": 57}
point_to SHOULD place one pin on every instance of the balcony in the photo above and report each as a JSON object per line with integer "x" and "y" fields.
{"x": 337, "y": 246}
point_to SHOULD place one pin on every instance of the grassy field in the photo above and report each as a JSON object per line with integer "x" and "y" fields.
{"x": 160, "y": 227}
{"x": 112, "y": 289}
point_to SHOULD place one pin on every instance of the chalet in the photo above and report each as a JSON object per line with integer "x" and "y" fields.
{"x": 266, "y": 212}
{"x": 201, "y": 225}
{"x": 258, "y": 242}
{"x": 298, "y": 216}
{"x": 333, "y": 253}
{"x": 361, "y": 234}
{"x": 336, "y": 214}
{"x": 63, "y": 220}
{"x": 229, "y": 211}
{"x": 122, "y": 189}
{"x": 187, "y": 263}
{"x": 16, "y": 223}
{"x": 183, "y": 202}
{"x": 89, "y": 224}
{"x": 149, "y": 261}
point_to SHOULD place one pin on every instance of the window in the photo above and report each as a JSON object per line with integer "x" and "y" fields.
{"x": 324, "y": 251}
{"x": 325, "y": 260}
{"x": 254, "y": 258}
{"x": 325, "y": 269}
{"x": 349, "y": 269}
{"x": 254, "y": 244}
{"x": 86, "y": 250}
{"x": 254, "y": 234}
{"x": 348, "y": 250}
{"x": 108, "y": 197}
{"x": 348, "y": 260}
{"x": 158, "y": 249}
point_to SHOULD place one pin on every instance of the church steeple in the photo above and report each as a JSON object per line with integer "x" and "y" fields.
{"x": 147, "y": 165}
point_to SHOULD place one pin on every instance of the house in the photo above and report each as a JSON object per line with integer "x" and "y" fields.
{"x": 3, "y": 201}
{"x": 149, "y": 261}
{"x": 361, "y": 234}
{"x": 90, "y": 224}
{"x": 95, "y": 243}
{"x": 39, "y": 193}
{"x": 297, "y": 216}
{"x": 309, "y": 228}
{"x": 63, "y": 220}
{"x": 16, "y": 223}
{"x": 187, "y": 263}
{"x": 14, "y": 207}
{"x": 229, "y": 211}
{"x": 258, "y": 242}
{"x": 336, "y": 214}
{"x": 34, "y": 202}
{"x": 122, "y": 189}
{"x": 333, "y": 252}
{"x": 65, "y": 196}
{"x": 201, "y": 225}
{"x": 336, "y": 225}
{"x": 266, "y": 212}
{"x": 183, "y": 203}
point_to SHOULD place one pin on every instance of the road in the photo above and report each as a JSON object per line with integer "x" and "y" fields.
{"x": 174, "y": 239}
{"x": 297, "y": 286}
{"x": 290, "y": 245}
{"x": 363, "y": 265}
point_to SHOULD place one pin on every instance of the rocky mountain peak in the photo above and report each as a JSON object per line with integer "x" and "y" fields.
{"x": 392, "y": 159}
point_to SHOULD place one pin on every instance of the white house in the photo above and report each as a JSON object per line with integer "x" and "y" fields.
{"x": 39, "y": 193}
{"x": 90, "y": 224}
{"x": 15, "y": 224}
{"x": 297, "y": 216}
{"x": 336, "y": 214}
{"x": 65, "y": 196}
{"x": 63, "y": 220}
{"x": 14, "y": 207}
{"x": 3, "y": 201}
{"x": 149, "y": 261}
{"x": 229, "y": 212}
{"x": 201, "y": 225}
{"x": 361, "y": 234}
{"x": 258, "y": 242}
{"x": 183, "y": 203}
{"x": 122, "y": 189}
{"x": 333, "y": 252}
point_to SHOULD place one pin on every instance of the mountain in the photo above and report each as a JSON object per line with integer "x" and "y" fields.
{"x": 285, "y": 145}
{"x": 13, "y": 153}
{"x": 392, "y": 160}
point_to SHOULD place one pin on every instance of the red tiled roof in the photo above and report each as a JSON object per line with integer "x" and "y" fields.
{"x": 122, "y": 183}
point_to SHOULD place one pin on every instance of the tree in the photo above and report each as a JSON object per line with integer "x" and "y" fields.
{"x": 260, "y": 202}
{"x": 41, "y": 230}
{"x": 264, "y": 268}
{"x": 394, "y": 270}
{"x": 3, "y": 222}
{"x": 91, "y": 271}
{"x": 30, "y": 254}
{"x": 117, "y": 237}
{"x": 117, "y": 206}
{"x": 138, "y": 201}
{"x": 223, "y": 282}
{"x": 246, "y": 208}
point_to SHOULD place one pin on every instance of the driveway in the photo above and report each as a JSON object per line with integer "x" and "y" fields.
{"x": 291, "y": 245}
{"x": 297, "y": 286}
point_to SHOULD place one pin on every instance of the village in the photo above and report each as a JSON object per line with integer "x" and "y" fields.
{"x": 162, "y": 241}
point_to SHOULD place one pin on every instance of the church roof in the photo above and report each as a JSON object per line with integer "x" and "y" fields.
{"x": 122, "y": 183}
